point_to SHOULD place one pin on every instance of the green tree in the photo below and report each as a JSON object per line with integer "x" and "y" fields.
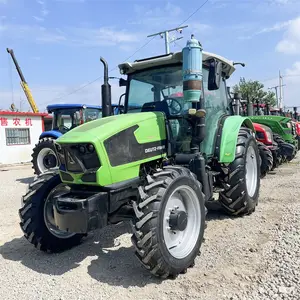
{"x": 253, "y": 91}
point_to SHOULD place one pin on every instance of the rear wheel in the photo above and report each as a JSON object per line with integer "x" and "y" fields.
{"x": 169, "y": 225}
{"x": 44, "y": 156}
{"x": 241, "y": 178}
{"x": 266, "y": 159}
{"x": 36, "y": 214}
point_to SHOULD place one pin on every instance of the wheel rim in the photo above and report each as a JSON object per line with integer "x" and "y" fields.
{"x": 251, "y": 171}
{"x": 181, "y": 242}
{"x": 46, "y": 159}
{"x": 49, "y": 212}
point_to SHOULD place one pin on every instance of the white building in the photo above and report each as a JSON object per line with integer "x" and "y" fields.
{"x": 19, "y": 132}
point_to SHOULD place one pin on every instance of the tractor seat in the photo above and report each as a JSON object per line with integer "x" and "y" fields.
{"x": 161, "y": 106}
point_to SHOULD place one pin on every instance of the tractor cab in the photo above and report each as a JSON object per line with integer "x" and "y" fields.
{"x": 69, "y": 116}
{"x": 155, "y": 84}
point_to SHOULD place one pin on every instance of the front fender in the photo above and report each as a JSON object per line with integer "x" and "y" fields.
{"x": 229, "y": 136}
{"x": 52, "y": 133}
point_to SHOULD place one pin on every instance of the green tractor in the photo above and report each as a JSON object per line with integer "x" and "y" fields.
{"x": 156, "y": 165}
{"x": 284, "y": 133}
{"x": 283, "y": 130}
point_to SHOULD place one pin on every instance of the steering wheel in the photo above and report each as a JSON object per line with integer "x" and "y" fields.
{"x": 174, "y": 105}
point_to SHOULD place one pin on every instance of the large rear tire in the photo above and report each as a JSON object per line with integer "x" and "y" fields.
{"x": 36, "y": 216}
{"x": 241, "y": 178}
{"x": 44, "y": 156}
{"x": 169, "y": 221}
{"x": 266, "y": 159}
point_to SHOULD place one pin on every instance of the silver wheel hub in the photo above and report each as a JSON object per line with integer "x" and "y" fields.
{"x": 46, "y": 159}
{"x": 251, "y": 171}
{"x": 182, "y": 222}
{"x": 49, "y": 212}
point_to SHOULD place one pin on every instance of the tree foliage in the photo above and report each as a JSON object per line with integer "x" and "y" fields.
{"x": 253, "y": 91}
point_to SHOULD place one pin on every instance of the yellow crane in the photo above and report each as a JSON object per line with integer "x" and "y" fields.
{"x": 23, "y": 82}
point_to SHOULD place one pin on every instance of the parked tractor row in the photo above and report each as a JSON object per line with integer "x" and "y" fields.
{"x": 175, "y": 147}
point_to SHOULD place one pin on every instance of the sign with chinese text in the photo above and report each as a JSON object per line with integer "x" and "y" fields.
{"x": 15, "y": 122}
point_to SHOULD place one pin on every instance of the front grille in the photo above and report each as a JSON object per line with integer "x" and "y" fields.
{"x": 74, "y": 160}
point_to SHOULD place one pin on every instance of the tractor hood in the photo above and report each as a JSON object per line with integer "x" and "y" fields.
{"x": 101, "y": 129}
{"x": 272, "y": 118}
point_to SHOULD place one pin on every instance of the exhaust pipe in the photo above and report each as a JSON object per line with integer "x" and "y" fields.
{"x": 106, "y": 92}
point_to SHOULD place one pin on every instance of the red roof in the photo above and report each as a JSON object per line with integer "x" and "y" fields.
{"x": 18, "y": 113}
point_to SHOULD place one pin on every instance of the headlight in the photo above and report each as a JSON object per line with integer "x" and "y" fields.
{"x": 289, "y": 124}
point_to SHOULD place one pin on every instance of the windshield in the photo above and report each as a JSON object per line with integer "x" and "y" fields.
{"x": 91, "y": 114}
{"x": 165, "y": 83}
{"x": 67, "y": 119}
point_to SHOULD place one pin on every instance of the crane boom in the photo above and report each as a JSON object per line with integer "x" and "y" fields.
{"x": 23, "y": 82}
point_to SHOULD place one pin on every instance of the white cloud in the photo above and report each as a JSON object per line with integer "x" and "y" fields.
{"x": 290, "y": 44}
{"x": 199, "y": 28}
{"x": 71, "y": 1}
{"x": 44, "y": 12}
{"x": 45, "y": 95}
{"x": 276, "y": 27}
{"x": 81, "y": 36}
{"x": 38, "y": 19}
{"x": 154, "y": 17}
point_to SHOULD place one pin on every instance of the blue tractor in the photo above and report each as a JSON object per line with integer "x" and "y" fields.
{"x": 64, "y": 118}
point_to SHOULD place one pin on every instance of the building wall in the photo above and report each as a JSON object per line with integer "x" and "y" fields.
{"x": 10, "y": 154}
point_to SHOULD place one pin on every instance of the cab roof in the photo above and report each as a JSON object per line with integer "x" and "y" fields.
{"x": 173, "y": 58}
{"x": 53, "y": 107}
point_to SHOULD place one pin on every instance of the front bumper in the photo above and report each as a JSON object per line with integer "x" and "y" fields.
{"x": 79, "y": 212}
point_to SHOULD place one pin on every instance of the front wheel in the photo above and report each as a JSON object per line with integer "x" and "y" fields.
{"x": 169, "y": 222}
{"x": 37, "y": 219}
{"x": 241, "y": 178}
{"x": 44, "y": 156}
{"x": 266, "y": 159}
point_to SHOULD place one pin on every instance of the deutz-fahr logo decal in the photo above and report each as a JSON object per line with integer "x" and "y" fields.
{"x": 153, "y": 149}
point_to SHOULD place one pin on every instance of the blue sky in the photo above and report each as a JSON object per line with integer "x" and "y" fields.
{"x": 58, "y": 42}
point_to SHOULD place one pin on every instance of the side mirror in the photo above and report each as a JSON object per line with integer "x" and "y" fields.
{"x": 122, "y": 82}
{"x": 214, "y": 75}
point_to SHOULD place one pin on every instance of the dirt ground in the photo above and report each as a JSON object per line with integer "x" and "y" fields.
{"x": 254, "y": 257}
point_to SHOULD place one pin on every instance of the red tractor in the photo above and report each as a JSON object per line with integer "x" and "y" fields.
{"x": 267, "y": 146}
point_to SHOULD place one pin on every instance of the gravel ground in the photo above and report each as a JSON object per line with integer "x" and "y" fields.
{"x": 254, "y": 257}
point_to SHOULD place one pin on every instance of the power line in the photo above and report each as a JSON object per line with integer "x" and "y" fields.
{"x": 269, "y": 79}
{"x": 140, "y": 48}
{"x": 194, "y": 12}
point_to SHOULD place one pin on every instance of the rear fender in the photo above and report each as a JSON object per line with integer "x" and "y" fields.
{"x": 230, "y": 131}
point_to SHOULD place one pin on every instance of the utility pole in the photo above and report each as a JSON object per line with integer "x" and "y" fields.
{"x": 278, "y": 103}
{"x": 165, "y": 34}
{"x": 280, "y": 90}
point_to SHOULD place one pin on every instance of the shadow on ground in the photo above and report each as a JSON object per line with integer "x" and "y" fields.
{"x": 26, "y": 180}
{"x": 116, "y": 266}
